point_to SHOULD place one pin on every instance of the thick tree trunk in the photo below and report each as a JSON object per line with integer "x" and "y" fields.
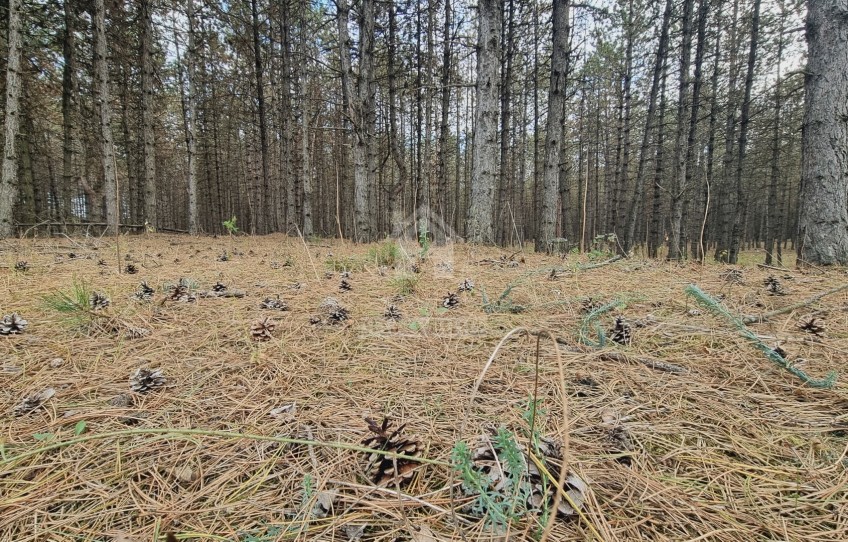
{"x": 148, "y": 78}
{"x": 364, "y": 159}
{"x": 104, "y": 98}
{"x": 9, "y": 178}
{"x": 555, "y": 124}
{"x": 823, "y": 219}
{"x": 485, "y": 155}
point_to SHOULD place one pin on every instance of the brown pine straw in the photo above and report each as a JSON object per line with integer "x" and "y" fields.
{"x": 735, "y": 449}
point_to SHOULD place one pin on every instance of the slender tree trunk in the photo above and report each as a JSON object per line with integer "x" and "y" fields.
{"x": 656, "y": 236}
{"x": 306, "y": 165}
{"x": 70, "y": 116}
{"x": 555, "y": 123}
{"x": 191, "y": 112}
{"x": 148, "y": 79}
{"x": 774, "y": 220}
{"x": 741, "y": 215}
{"x": 727, "y": 208}
{"x": 395, "y": 195}
{"x": 104, "y": 99}
{"x": 678, "y": 185}
{"x": 264, "y": 208}
{"x": 444, "y": 130}
{"x": 700, "y": 48}
{"x": 9, "y": 179}
{"x": 485, "y": 155}
{"x": 639, "y": 189}
{"x": 505, "y": 178}
{"x": 624, "y": 181}
{"x": 823, "y": 219}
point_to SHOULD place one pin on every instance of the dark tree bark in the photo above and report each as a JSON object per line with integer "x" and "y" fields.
{"x": 104, "y": 98}
{"x": 264, "y": 209}
{"x": 823, "y": 220}
{"x": 554, "y": 127}
{"x": 741, "y": 214}
{"x": 485, "y": 155}
{"x": 9, "y": 178}
{"x": 148, "y": 78}
{"x": 678, "y": 185}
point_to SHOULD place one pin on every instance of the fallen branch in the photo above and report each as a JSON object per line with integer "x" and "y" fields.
{"x": 620, "y": 357}
{"x": 789, "y": 308}
{"x": 601, "y": 264}
{"x": 764, "y": 266}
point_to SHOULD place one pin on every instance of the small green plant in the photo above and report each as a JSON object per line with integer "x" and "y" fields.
{"x": 307, "y": 490}
{"x": 500, "y": 503}
{"x": 73, "y": 304}
{"x": 339, "y": 263}
{"x": 230, "y": 225}
{"x": 405, "y": 283}
{"x": 388, "y": 253}
{"x": 424, "y": 240}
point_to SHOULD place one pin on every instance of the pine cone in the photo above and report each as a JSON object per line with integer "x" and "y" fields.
{"x": 383, "y": 470}
{"x": 12, "y": 324}
{"x": 273, "y": 304}
{"x": 131, "y": 269}
{"x": 181, "y": 292}
{"x": 466, "y": 285}
{"x": 98, "y": 301}
{"x": 773, "y": 286}
{"x": 145, "y": 292}
{"x": 344, "y": 286}
{"x": 621, "y": 332}
{"x": 21, "y": 266}
{"x": 261, "y": 329}
{"x": 145, "y": 380}
{"x": 733, "y": 276}
{"x": 136, "y": 332}
{"x": 392, "y": 313}
{"x": 811, "y": 325}
{"x": 218, "y": 287}
{"x": 32, "y": 402}
{"x": 223, "y": 257}
{"x": 450, "y": 301}
{"x": 334, "y": 311}
{"x": 590, "y": 305}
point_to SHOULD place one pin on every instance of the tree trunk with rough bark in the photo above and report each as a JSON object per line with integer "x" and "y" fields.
{"x": 484, "y": 175}
{"x": 823, "y": 220}
{"x": 740, "y": 217}
{"x": 191, "y": 112}
{"x": 9, "y": 179}
{"x": 639, "y": 190}
{"x": 678, "y": 184}
{"x": 148, "y": 78}
{"x": 555, "y": 124}
{"x": 104, "y": 98}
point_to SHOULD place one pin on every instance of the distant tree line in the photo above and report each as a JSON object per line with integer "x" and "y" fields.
{"x": 674, "y": 125}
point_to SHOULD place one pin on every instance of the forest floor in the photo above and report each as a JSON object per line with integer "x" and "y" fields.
{"x": 689, "y": 433}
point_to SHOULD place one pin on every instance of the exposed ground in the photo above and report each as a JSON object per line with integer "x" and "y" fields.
{"x": 736, "y": 448}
